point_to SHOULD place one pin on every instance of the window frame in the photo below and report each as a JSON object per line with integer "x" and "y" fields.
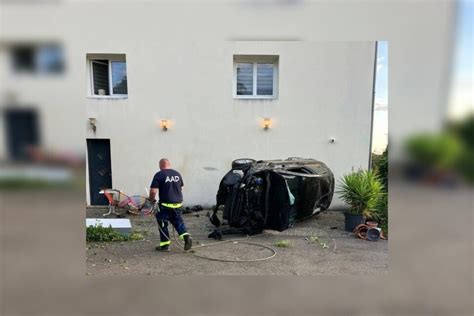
{"x": 254, "y": 63}
{"x": 37, "y": 69}
{"x": 109, "y": 59}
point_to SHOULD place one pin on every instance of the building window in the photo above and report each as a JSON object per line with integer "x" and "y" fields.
{"x": 255, "y": 77}
{"x": 37, "y": 58}
{"x": 108, "y": 76}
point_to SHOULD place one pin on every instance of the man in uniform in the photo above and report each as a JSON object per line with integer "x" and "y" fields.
{"x": 169, "y": 183}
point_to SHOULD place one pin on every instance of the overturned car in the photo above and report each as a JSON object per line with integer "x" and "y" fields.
{"x": 271, "y": 194}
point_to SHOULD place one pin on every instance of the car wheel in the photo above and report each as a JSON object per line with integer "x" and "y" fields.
{"x": 239, "y": 163}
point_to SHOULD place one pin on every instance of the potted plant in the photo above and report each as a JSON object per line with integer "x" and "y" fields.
{"x": 361, "y": 191}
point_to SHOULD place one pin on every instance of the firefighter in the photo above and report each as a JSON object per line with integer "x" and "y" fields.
{"x": 169, "y": 183}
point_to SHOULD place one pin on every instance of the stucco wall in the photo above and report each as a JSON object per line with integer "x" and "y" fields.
{"x": 179, "y": 59}
{"x": 324, "y": 91}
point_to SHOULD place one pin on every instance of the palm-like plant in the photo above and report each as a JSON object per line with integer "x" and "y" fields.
{"x": 361, "y": 190}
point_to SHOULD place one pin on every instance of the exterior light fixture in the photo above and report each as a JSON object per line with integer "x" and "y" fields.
{"x": 164, "y": 125}
{"x": 92, "y": 123}
{"x": 267, "y": 123}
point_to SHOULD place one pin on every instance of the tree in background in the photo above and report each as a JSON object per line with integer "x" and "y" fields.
{"x": 380, "y": 166}
{"x": 464, "y": 131}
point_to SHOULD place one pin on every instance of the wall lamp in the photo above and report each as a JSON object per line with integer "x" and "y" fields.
{"x": 267, "y": 123}
{"x": 165, "y": 125}
{"x": 92, "y": 123}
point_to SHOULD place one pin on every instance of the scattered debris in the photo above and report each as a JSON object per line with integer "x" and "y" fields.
{"x": 216, "y": 234}
{"x": 195, "y": 208}
{"x": 271, "y": 232}
{"x": 283, "y": 243}
{"x": 313, "y": 239}
{"x": 136, "y": 236}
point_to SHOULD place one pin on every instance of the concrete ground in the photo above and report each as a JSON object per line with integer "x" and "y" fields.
{"x": 342, "y": 254}
{"x": 42, "y": 258}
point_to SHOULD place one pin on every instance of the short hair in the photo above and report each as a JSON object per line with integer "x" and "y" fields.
{"x": 164, "y": 161}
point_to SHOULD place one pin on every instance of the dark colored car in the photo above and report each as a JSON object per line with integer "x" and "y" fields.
{"x": 272, "y": 194}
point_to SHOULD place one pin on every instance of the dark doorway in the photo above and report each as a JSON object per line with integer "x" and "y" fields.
{"x": 22, "y": 131}
{"x": 100, "y": 170}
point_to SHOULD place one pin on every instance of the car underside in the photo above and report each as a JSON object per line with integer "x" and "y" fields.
{"x": 271, "y": 194}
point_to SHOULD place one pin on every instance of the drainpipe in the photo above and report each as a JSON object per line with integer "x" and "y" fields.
{"x": 373, "y": 106}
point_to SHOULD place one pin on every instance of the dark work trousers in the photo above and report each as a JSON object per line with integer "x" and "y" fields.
{"x": 172, "y": 215}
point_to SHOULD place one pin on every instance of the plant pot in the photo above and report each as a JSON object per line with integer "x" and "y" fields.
{"x": 352, "y": 220}
{"x": 373, "y": 234}
{"x": 372, "y": 224}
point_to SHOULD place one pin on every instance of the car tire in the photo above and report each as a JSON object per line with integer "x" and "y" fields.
{"x": 242, "y": 162}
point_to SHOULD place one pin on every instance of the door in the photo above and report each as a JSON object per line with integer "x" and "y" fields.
{"x": 22, "y": 132}
{"x": 100, "y": 169}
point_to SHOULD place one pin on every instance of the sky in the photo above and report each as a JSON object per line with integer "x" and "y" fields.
{"x": 380, "y": 131}
{"x": 461, "y": 96}
{"x": 460, "y": 102}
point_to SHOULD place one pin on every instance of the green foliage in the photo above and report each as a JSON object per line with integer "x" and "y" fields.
{"x": 464, "y": 130}
{"x": 136, "y": 236}
{"x": 283, "y": 243}
{"x": 440, "y": 151}
{"x": 380, "y": 165}
{"x": 98, "y": 233}
{"x": 313, "y": 239}
{"x": 465, "y": 165}
{"x": 448, "y": 151}
{"x": 362, "y": 191}
{"x": 381, "y": 215}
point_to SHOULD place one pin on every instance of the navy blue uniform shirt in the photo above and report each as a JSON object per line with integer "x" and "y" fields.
{"x": 169, "y": 183}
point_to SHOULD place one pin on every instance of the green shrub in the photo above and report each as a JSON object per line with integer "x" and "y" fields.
{"x": 104, "y": 234}
{"x": 465, "y": 165}
{"x": 439, "y": 151}
{"x": 361, "y": 191}
{"x": 381, "y": 215}
{"x": 464, "y": 130}
{"x": 380, "y": 165}
{"x": 136, "y": 236}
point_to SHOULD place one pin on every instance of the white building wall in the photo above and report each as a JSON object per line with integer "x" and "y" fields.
{"x": 324, "y": 91}
{"x": 179, "y": 59}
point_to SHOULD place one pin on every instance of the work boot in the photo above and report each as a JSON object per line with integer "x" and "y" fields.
{"x": 188, "y": 242}
{"x": 165, "y": 248}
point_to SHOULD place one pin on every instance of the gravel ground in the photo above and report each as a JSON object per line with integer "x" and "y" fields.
{"x": 342, "y": 255}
